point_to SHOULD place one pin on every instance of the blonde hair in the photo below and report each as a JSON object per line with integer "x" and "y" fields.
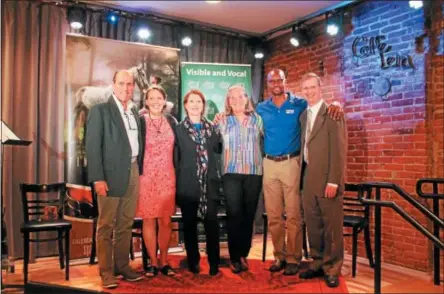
{"x": 311, "y": 75}
{"x": 248, "y": 106}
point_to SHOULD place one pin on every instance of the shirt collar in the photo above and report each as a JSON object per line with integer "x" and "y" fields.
{"x": 315, "y": 108}
{"x": 120, "y": 106}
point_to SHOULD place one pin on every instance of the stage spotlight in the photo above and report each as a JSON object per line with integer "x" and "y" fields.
{"x": 300, "y": 35}
{"x": 186, "y": 34}
{"x": 415, "y": 4}
{"x": 144, "y": 33}
{"x": 257, "y": 46}
{"x": 186, "y": 41}
{"x": 334, "y": 22}
{"x": 76, "y": 17}
{"x": 112, "y": 17}
{"x": 258, "y": 55}
{"x": 294, "y": 38}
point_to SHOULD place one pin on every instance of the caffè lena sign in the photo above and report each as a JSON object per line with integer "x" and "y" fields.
{"x": 367, "y": 46}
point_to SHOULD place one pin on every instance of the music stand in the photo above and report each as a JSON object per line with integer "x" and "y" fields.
{"x": 8, "y": 138}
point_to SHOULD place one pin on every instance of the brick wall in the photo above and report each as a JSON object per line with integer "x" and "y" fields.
{"x": 397, "y": 137}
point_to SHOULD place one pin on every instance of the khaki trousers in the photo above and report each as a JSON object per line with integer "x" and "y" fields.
{"x": 281, "y": 194}
{"x": 116, "y": 213}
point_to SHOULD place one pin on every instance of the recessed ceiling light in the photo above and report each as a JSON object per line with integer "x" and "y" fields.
{"x": 212, "y": 2}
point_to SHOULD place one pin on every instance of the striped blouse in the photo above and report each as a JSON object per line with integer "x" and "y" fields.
{"x": 242, "y": 150}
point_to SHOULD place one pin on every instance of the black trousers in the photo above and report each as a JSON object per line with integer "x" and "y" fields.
{"x": 242, "y": 195}
{"x": 189, "y": 218}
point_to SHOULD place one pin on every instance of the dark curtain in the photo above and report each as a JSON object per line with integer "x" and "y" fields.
{"x": 33, "y": 71}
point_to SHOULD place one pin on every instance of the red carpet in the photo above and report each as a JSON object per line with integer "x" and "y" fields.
{"x": 257, "y": 280}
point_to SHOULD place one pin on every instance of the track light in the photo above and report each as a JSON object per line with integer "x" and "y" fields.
{"x": 112, "y": 17}
{"x": 76, "y": 17}
{"x": 257, "y": 47}
{"x": 415, "y": 4}
{"x": 334, "y": 23}
{"x": 300, "y": 35}
{"x": 186, "y": 34}
{"x": 143, "y": 31}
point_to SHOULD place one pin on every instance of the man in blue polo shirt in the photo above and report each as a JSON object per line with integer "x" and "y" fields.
{"x": 281, "y": 182}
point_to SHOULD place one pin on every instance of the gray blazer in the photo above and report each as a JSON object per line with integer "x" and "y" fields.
{"x": 327, "y": 151}
{"x": 108, "y": 150}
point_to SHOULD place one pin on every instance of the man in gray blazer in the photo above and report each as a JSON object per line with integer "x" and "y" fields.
{"x": 324, "y": 145}
{"x": 113, "y": 142}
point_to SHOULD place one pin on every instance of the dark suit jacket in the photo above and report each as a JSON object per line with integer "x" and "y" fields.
{"x": 327, "y": 151}
{"x": 187, "y": 185}
{"x": 172, "y": 122}
{"x": 108, "y": 150}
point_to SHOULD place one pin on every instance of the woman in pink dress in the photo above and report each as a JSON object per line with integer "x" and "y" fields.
{"x": 158, "y": 180}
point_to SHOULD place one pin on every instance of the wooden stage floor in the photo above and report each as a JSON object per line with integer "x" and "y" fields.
{"x": 394, "y": 279}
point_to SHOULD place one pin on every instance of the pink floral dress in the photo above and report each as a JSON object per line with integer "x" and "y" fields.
{"x": 158, "y": 182}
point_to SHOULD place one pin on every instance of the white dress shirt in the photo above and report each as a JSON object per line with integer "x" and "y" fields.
{"x": 130, "y": 125}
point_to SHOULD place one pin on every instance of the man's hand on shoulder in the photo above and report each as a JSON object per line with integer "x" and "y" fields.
{"x": 335, "y": 111}
{"x": 101, "y": 188}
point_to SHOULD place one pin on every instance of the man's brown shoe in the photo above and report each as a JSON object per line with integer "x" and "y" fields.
{"x": 109, "y": 282}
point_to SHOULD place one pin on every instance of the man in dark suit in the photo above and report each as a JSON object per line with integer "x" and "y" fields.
{"x": 324, "y": 145}
{"x": 113, "y": 142}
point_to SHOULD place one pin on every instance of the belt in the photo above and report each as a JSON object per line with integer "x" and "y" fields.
{"x": 133, "y": 159}
{"x": 282, "y": 157}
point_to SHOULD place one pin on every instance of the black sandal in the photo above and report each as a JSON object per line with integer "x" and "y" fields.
{"x": 167, "y": 270}
{"x": 151, "y": 271}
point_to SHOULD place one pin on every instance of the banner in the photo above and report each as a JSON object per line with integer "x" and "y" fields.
{"x": 90, "y": 66}
{"x": 213, "y": 80}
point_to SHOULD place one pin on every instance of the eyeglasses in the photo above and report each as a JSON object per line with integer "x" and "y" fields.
{"x": 131, "y": 123}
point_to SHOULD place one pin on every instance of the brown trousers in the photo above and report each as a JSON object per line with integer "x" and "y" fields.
{"x": 116, "y": 213}
{"x": 281, "y": 193}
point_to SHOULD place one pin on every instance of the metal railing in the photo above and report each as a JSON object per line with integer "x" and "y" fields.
{"x": 435, "y": 196}
{"x": 378, "y": 203}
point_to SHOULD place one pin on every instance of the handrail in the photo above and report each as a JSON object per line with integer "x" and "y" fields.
{"x": 436, "y": 197}
{"x": 435, "y": 182}
{"x": 408, "y": 218}
{"x": 406, "y": 196}
{"x": 378, "y": 203}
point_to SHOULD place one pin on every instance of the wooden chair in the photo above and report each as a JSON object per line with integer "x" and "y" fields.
{"x": 45, "y": 216}
{"x": 356, "y": 217}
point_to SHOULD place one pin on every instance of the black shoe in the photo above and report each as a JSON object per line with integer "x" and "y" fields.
{"x": 236, "y": 267}
{"x": 331, "y": 281}
{"x": 151, "y": 271}
{"x": 244, "y": 264}
{"x": 277, "y": 266}
{"x": 291, "y": 269}
{"x": 311, "y": 274}
{"x": 214, "y": 270}
{"x": 167, "y": 270}
{"x": 195, "y": 269}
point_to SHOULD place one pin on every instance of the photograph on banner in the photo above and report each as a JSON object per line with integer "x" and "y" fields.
{"x": 90, "y": 66}
{"x": 213, "y": 80}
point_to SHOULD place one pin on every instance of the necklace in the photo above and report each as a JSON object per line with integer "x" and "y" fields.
{"x": 154, "y": 125}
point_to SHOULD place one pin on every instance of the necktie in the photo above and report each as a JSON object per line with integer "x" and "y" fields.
{"x": 307, "y": 134}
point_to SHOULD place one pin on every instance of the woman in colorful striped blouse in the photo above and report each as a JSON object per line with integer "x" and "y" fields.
{"x": 241, "y": 131}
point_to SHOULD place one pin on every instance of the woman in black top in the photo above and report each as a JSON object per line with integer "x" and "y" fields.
{"x": 197, "y": 180}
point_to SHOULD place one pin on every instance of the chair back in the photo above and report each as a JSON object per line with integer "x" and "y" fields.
{"x": 47, "y": 207}
{"x": 80, "y": 201}
{"x": 351, "y": 203}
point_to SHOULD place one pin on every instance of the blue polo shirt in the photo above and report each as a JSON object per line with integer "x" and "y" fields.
{"x": 282, "y": 129}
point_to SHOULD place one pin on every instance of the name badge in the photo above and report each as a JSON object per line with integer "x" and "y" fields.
{"x": 289, "y": 111}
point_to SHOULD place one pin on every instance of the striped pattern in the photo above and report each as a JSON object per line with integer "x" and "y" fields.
{"x": 242, "y": 153}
